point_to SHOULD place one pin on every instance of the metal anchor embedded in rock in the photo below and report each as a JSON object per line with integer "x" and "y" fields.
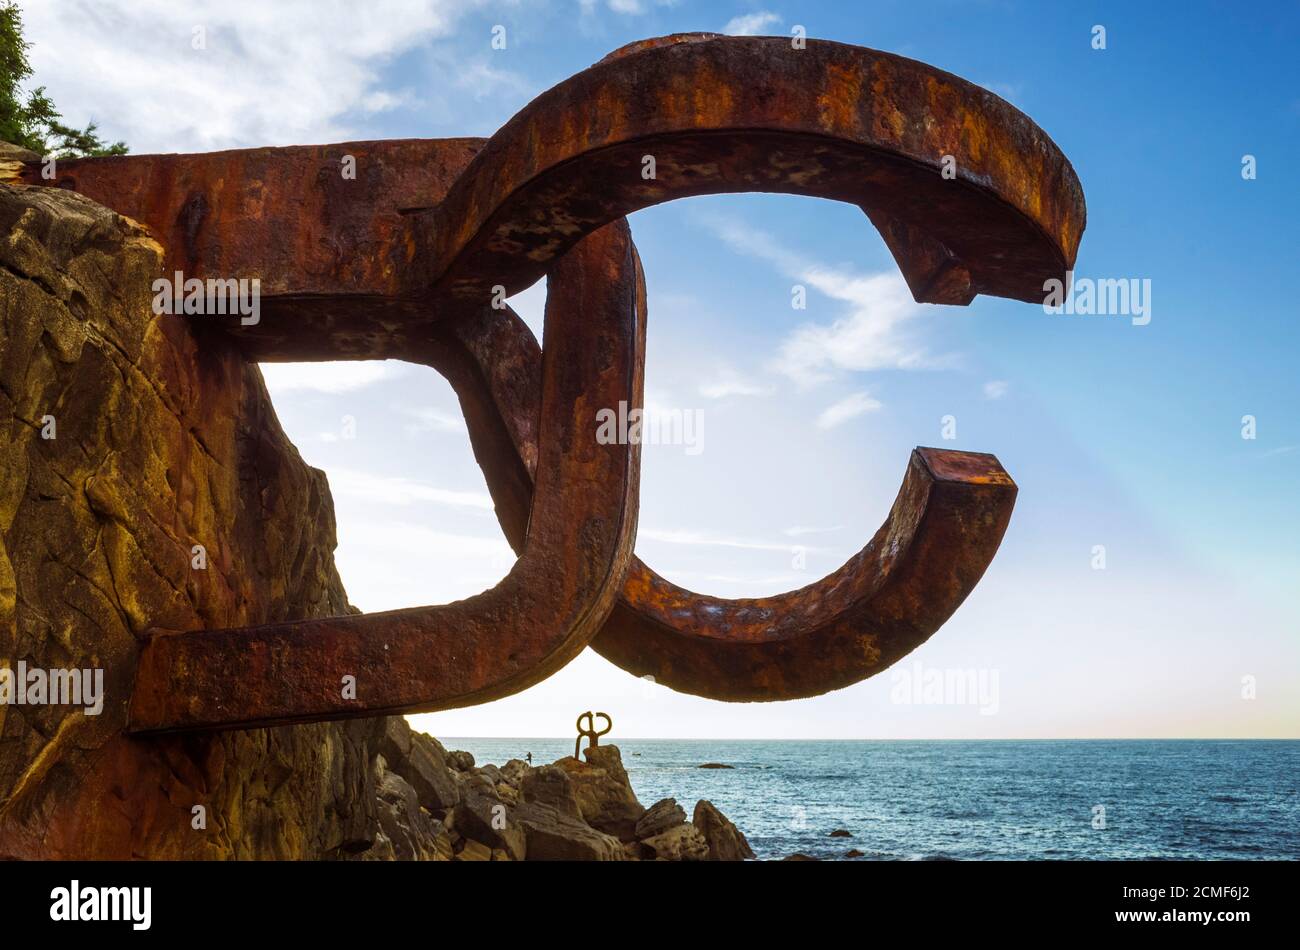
{"x": 401, "y": 262}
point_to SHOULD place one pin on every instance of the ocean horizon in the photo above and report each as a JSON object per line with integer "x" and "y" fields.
{"x": 971, "y": 799}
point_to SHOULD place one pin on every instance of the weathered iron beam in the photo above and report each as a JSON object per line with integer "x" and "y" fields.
{"x": 402, "y": 261}
{"x": 944, "y": 528}
{"x": 580, "y": 535}
{"x": 733, "y": 114}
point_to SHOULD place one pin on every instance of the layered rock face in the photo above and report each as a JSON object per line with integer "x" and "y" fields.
{"x": 129, "y": 440}
{"x": 145, "y": 483}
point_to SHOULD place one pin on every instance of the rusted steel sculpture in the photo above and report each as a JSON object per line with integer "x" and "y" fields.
{"x": 403, "y": 262}
{"x": 590, "y": 732}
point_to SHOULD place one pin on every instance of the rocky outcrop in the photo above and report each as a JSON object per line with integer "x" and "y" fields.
{"x": 659, "y": 817}
{"x": 724, "y": 840}
{"x": 12, "y": 160}
{"x": 516, "y": 812}
{"x": 145, "y": 483}
{"x": 604, "y": 794}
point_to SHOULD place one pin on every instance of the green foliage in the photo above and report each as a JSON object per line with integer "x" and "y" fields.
{"x": 32, "y": 121}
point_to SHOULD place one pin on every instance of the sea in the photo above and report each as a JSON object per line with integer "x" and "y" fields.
{"x": 973, "y": 800}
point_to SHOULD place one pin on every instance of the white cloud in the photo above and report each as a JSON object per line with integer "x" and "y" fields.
{"x": 401, "y": 491}
{"x": 626, "y": 7}
{"x": 279, "y": 73}
{"x": 996, "y": 388}
{"x": 330, "y": 377}
{"x": 703, "y": 539}
{"x": 876, "y": 334}
{"x": 800, "y": 530}
{"x": 727, "y": 381}
{"x": 433, "y": 419}
{"x": 751, "y": 24}
{"x": 846, "y": 409}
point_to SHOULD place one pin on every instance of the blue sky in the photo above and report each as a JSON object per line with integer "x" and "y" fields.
{"x": 1118, "y": 435}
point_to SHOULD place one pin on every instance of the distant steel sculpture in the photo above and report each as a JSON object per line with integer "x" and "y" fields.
{"x": 411, "y": 257}
{"x": 590, "y": 732}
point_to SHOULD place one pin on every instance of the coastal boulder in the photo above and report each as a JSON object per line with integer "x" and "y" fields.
{"x": 679, "y": 843}
{"x": 659, "y": 817}
{"x": 724, "y": 839}
{"x": 482, "y": 816}
{"x": 460, "y": 760}
{"x": 550, "y": 785}
{"x": 407, "y": 832}
{"x": 552, "y": 836}
{"x": 604, "y": 794}
{"x": 129, "y": 444}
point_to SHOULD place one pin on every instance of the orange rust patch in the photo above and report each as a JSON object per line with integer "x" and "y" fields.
{"x": 840, "y": 98}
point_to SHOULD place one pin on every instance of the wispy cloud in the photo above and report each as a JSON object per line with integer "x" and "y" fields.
{"x": 704, "y": 539}
{"x": 846, "y": 409}
{"x": 396, "y": 490}
{"x": 627, "y": 7}
{"x": 727, "y": 381}
{"x": 331, "y": 377}
{"x": 751, "y": 24}
{"x": 800, "y": 530}
{"x": 267, "y": 74}
{"x": 996, "y": 388}
{"x": 433, "y": 419}
{"x": 876, "y": 334}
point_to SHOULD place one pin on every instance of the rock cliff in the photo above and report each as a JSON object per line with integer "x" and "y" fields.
{"x": 145, "y": 482}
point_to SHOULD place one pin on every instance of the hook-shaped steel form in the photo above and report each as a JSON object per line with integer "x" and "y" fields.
{"x": 403, "y": 261}
{"x": 558, "y": 593}
{"x": 590, "y": 732}
{"x": 842, "y": 123}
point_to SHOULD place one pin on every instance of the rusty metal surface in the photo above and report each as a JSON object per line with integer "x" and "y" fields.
{"x": 727, "y": 114}
{"x": 590, "y": 732}
{"x": 537, "y": 619}
{"x": 329, "y": 251}
{"x": 404, "y": 265}
{"x": 941, "y": 534}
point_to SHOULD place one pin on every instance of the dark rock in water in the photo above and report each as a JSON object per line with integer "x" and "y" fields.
{"x": 799, "y": 856}
{"x": 841, "y": 833}
{"x": 854, "y": 853}
{"x": 659, "y": 817}
{"x": 724, "y": 839}
{"x": 715, "y": 765}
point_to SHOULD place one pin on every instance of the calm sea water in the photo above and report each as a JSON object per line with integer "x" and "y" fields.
{"x": 904, "y": 800}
